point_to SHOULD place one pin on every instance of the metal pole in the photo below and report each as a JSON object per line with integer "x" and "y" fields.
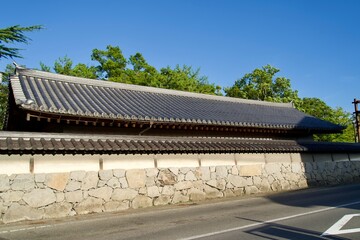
{"x": 356, "y": 113}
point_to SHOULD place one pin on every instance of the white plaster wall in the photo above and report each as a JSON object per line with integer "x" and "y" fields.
{"x": 306, "y": 157}
{"x": 295, "y": 157}
{"x": 248, "y": 158}
{"x": 123, "y": 161}
{"x": 277, "y": 157}
{"x": 217, "y": 159}
{"x": 14, "y": 164}
{"x": 65, "y": 163}
{"x": 322, "y": 157}
{"x": 182, "y": 160}
{"x": 355, "y": 157}
{"x": 340, "y": 157}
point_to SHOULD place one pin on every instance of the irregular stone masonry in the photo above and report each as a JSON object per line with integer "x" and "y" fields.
{"x": 40, "y": 196}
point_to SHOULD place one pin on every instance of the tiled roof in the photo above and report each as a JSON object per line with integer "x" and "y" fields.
{"x": 35, "y": 143}
{"x": 59, "y": 95}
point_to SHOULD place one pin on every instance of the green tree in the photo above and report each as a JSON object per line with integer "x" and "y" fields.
{"x": 261, "y": 84}
{"x": 65, "y": 66}
{"x": 14, "y": 34}
{"x": 318, "y": 108}
{"x": 4, "y": 92}
{"x": 112, "y": 63}
{"x": 185, "y": 78}
{"x": 113, "y": 66}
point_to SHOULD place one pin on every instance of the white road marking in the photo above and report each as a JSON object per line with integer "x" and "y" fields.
{"x": 25, "y": 229}
{"x": 268, "y": 221}
{"x": 336, "y": 228}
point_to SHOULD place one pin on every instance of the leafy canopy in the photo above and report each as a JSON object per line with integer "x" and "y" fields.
{"x": 261, "y": 84}
{"x": 112, "y": 65}
{"x": 14, "y": 34}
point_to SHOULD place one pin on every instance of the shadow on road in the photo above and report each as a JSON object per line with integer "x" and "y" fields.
{"x": 329, "y": 196}
{"x": 274, "y": 231}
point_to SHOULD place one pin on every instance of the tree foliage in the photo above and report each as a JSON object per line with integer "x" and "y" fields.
{"x": 318, "y": 108}
{"x": 113, "y": 66}
{"x": 14, "y": 34}
{"x": 261, "y": 84}
{"x": 65, "y": 66}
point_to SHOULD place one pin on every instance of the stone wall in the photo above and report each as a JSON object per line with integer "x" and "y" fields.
{"x": 52, "y": 195}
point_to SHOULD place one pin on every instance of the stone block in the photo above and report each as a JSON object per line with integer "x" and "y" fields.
{"x": 90, "y": 180}
{"x": 168, "y": 190}
{"x": 4, "y": 182}
{"x": 174, "y": 170}
{"x": 190, "y": 176}
{"x": 250, "y": 170}
{"x": 116, "y": 206}
{"x": 89, "y": 205}
{"x": 234, "y": 170}
{"x": 103, "y": 193}
{"x": 153, "y": 191}
{"x": 141, "y": 201}
{"x": 179, "y": 198}
{"x": 212, "y": 192}
{"x": 297, "y": 168}
{"x": 183, "y": 185}
{"x": 73, "y": 186}
{"x": 124, "y": 194}
{"x": 218, "y": 184}
{"x": 17, "y": 212}
{"x": 57, "y": 210}
{"x": 184, "y": 170}
{"x": 237, "y": 181}
{"x": 264, "y": 186}
{"x": 251, "y": 190}
{"x": 229, "y": 193}
{"x": 196, "y": 195}
{"x": 40, "y": 177}
{"x": 23, "y": 182}
{"x": 60, "y": 196}
{"x": 77, "y": 175}
{"x": 74, "y": 197}
{"x": 105, "y": 175}
{"x": 57, "y": 181}
{"x": 12, "y": 196}
{"x": 167, "y": 177}
{"x": 152, "y": 172}
{"x": 123, "y": 182}
{"x": 39, "y": 197}
{"x": 136, "y": 178}
{"x": 113, "y": 183}
{"x": 162, "y": 200}
{"x": 119, "y": 173}
{"x": 221, "y": 172}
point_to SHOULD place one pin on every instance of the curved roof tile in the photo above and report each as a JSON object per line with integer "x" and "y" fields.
{"x": 65, "y": 95}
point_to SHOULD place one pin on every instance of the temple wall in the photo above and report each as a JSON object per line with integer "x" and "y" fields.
{"x": 40, "y": 187}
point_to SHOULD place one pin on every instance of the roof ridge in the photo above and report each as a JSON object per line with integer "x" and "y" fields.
{"x": 132, "y": 87}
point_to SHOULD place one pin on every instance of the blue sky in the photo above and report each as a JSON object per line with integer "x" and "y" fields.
{"x": 315, "y": 43}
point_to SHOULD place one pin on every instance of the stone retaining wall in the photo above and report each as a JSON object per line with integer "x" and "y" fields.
{"x": 53, "y": 195}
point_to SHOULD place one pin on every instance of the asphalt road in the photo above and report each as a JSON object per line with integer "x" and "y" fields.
{"x": 319, "y": 213}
